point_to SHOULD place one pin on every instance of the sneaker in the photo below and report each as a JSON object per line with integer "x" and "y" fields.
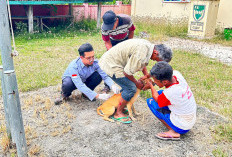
{"x": 60, "y": 100}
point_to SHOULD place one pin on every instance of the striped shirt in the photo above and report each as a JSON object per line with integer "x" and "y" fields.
{"x": 122, "y": 30}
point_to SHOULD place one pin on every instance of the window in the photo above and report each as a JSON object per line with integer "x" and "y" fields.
{"x": 178, "y": 1}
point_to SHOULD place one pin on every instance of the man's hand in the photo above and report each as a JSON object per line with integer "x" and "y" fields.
{"x": 148, "y": 84}
{"x": 115, "y": 89}
{"x": 146, "y": 87}
{"x": 145, "y": 77}
{"x": 139, "y": 84}
{"x": 103, "y": 96}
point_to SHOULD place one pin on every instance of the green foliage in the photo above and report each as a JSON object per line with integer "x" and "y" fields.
{"x": 20, "y": 27}
{"x": 51, "y": 7}
{"x": 56, "y": 30}
{"x": 86, "y": 25}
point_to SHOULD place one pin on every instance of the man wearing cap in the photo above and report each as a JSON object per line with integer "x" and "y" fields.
{"x": 122, "y": 61}
{"x": 85, "y": 74}
{"x": 116, "y": 28}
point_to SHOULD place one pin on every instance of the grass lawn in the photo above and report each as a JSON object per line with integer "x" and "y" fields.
{"x": 44, "y": 57}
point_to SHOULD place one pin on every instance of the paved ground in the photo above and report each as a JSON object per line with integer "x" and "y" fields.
{"x": 75, "y": 129}
{"x": 215, "y": 51}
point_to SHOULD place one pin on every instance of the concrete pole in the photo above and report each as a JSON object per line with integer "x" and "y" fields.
{"x": 6, "y": 107}
{"x": 99, "y": 15}
{"x": 16, "y": 120}
{"x": 30, "y": 19}
{"x": 10, "y": 83}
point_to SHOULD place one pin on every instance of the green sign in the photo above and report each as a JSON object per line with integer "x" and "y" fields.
{"x": 198, "y": 12}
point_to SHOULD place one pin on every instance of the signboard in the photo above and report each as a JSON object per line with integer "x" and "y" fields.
{"x": 202, "y": 19}
{"x": 198, "y": 15}
{"x": 196, "y": 26}
{"x": 198, "y": 12}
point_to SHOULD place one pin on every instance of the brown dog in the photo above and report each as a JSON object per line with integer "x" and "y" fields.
{"x": 108, "y": 107}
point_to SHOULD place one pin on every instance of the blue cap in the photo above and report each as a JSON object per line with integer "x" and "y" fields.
{"x": 109, "y": 19}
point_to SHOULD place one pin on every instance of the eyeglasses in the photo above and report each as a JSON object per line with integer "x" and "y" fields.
{"x": 90, "y": 58}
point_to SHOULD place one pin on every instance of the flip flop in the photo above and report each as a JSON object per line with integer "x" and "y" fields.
{"x": 125, "y": 111}
{"x": 169, "y": 137}
{"x": 120, "y": 120}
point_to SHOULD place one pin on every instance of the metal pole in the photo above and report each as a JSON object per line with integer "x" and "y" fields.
{"x": 98, "y": 14}
{"x": 6, "y": 107}
{"x": 10, "y": 83}
{"x": 16, "y": 120}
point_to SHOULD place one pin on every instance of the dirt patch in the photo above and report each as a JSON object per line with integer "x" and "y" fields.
{"x": 75, "y": 129}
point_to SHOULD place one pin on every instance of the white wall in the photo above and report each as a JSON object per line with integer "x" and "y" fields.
{"x": 172, "y": 11}
{"x": 157, "y": 9}
{"x": 224, "y": 19}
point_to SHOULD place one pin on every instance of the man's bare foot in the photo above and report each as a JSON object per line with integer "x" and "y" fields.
{"x": 169, "y": 135}
{"x": 119, "y": 115}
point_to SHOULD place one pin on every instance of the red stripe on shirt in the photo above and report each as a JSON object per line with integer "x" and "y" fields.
{"x": 132, "y": 28}
{"x": 118, "y": 36}
{"x": 163, "y": 101}
{"x": 173, "y": 83}
{"x": 73, "y": 75}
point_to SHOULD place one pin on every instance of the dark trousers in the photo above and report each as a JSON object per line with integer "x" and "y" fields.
{"x": 114, "y": 42}
{"x": 92, "y": 82}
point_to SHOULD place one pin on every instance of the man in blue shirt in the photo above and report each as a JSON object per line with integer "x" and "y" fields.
{"x": 85, "y": 74}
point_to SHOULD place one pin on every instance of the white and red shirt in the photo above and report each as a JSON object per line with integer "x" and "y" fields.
{"x": 180, "y": 100}
{"x": 122, "y": 30}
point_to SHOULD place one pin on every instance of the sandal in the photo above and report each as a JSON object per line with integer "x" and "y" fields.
{"x": 168, "y": 137}
{"x": 120, "y": 120}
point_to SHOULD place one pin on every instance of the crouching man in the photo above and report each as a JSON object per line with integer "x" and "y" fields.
{"x": 174, "y": 106}
{"x": 85, "y": 75}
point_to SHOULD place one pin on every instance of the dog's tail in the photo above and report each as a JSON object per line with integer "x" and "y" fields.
{"x": 99, "y": 111}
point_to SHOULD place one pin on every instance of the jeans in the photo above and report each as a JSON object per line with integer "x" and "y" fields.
{"x": 128, "y": 87}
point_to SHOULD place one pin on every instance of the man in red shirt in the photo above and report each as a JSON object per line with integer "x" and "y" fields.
{"x": 116, "y": 28}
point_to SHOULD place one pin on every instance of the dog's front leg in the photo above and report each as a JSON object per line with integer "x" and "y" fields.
{"x": 134, "y": 111}
{"x": 129, "y": 107}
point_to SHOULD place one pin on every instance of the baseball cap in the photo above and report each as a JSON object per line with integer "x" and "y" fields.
{"x": 109, "y": 19}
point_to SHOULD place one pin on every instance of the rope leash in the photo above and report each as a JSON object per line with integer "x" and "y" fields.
{"x": 15, "y": 52}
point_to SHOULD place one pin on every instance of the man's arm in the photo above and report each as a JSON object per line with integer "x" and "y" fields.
{"x": 138, "y": 84}
{"x": 155, "y": 94}
{"x": 131, "y": 31}
{"x": 108, "y": 44}
{"x": 145, "y": 73}
{"x": 131, "y": 34}
{"x": 83, "y": 88}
